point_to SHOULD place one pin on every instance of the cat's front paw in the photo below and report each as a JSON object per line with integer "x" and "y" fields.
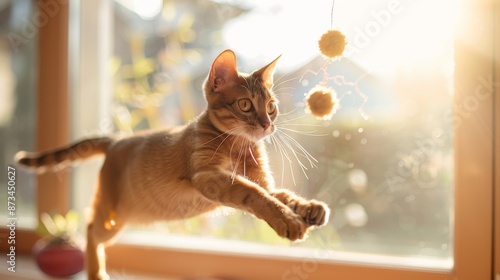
{"x": 290, "y": 226}
{"x": 314, "y": 213}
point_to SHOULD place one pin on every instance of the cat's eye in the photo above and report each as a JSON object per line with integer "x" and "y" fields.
{"x": 271, "y": 107}
{"x": 245, "y": 104}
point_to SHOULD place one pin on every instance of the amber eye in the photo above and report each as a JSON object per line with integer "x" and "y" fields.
{"x": 245, "y": 104}
{"x": 271, "y": 107}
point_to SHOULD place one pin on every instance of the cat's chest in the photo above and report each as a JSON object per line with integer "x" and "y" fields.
{"x": 244, "y": 161}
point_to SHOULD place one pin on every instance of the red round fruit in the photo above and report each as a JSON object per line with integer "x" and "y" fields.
{"x": 58, "y": 259}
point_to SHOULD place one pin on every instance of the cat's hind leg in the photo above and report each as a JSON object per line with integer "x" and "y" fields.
{"x": 101, "y": 230}
{"x": 99, "y": 234}
{"x": 96, "y": 266}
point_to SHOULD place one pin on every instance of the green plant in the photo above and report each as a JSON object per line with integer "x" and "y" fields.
{"x": 59, "y": 253}
{"x": 59, "y": 228}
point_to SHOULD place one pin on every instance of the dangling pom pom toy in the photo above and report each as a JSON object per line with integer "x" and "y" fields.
{"x": 332, "y": 43}
{"x": 322, "y": 102}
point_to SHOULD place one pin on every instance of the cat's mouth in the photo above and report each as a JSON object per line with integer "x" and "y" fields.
{"x": 258, "y": 133}
{"x": 246, "y": 131}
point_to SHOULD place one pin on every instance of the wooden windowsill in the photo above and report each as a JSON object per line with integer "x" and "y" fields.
{"x": 26, "y": 269}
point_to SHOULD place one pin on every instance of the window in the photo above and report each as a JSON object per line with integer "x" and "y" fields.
{"x": 386, "y": 172}
{"x": 398, "y": 180}
{"x": 17, "y": 92}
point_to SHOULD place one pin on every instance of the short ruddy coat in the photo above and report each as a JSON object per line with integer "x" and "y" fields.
{"x": 218, "y": 159}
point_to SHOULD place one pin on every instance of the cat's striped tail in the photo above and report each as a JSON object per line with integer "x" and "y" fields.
{"x": 64, "y": 156}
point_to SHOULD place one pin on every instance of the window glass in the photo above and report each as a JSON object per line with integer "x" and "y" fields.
{"x": 384, "y": 162}
{"x": 18, "y": 38}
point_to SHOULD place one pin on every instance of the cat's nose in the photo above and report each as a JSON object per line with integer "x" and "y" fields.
{"x": 265, "y": 125}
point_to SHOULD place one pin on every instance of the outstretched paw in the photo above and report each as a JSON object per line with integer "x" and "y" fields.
{"x": 290, "y": 226}
{"x": 313, "y": 212}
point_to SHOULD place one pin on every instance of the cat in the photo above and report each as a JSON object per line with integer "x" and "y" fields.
{"x": 217, "y": 159}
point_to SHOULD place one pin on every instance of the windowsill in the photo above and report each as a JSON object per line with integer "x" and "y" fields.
{"x": 256, "y": 250}
{"x": 26, "y": 269}
{"x": 140, "y": 255}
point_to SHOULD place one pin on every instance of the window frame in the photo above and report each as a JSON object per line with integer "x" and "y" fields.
{"x": 477, "y": 161}
{"x": 52, "y": 110}
{"x": 496, "y": 139}
{"x": 52, "y": 122}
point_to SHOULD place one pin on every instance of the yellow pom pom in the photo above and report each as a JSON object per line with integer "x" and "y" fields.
{"x": 332, "y": 44}
{"x": 322, "y": 102}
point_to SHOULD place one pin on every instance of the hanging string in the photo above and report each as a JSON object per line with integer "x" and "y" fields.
{"x": 331, "y": 15}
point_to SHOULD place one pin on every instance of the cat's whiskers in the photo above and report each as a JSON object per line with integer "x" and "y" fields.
{"x": 282, "y": 114}
{"x": 306, "y": 133}
{"x": 229, "y": 133}
{"x": 304, "y": 153}
{"x": 299, "y": 124}
{"x": 292, "y": 153}
{"x": 289, "y": 120}
{"x": 237, "y": 164}
{"x": 245, "y": 158}
{"x": 220, "y": 135}
{"x": 251, "y": 153}
{"x": 284, "y": 91}
{"x": 284, "y": 154}
{"x": 245, "y": 148}
{"x": 278, "y": 90}
{"x": 278, "y": 81}
{"x": 295, "y": 154}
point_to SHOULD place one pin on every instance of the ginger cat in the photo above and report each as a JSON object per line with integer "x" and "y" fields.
{"x": 217, "y": 159}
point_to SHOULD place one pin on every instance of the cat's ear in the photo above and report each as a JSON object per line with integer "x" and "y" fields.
{"x": 266, "y": 73}
{"x": 223, "y": 69}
